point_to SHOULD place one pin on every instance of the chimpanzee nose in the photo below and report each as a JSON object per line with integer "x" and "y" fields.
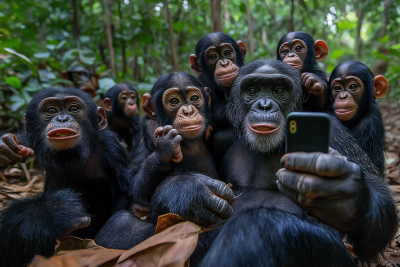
{"x": 291, "y": 54}
{"x": 188, "y": 110}
{"x": 131, "y": 102}
{"x": 62, "y": 118}
{"x": 264, "y": 104}
{"x": 343, "y": 95}
{"x": 224, "y": 62}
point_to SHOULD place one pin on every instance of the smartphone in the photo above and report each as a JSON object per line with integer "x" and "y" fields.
{"x": 308, "y": 132}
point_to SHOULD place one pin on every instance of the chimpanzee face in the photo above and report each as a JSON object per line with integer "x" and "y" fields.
{"x": 265, "y": 93}
{"x": 294, "y": 53}
{"x": 127, "y": 101}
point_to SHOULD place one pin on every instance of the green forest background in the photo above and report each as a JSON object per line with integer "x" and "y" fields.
{"x": 132, "y": 41}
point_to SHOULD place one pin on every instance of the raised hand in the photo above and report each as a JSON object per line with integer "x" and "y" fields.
{"x": 327, "y": 186}
{"x": 12, "y": 153}
{"x": 167, "y": 141}
{"x": 312, "y": 83}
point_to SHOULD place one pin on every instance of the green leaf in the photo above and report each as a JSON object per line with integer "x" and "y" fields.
{"x": 178, "y": 26}
{"x": 336, "y": 54}
{"x": 100, "y": 69}
{"x": 50, "y": 46}
{"x": 14, "y": 81}
{"x": 384, "y": 39}
{"x": 105, "y": 84}
{"x": 24, "y": 59}
{"x": 61, "y": 44}
{"x": 17, "y": 105}
{"x": 242, "y": 7}
{"x": 42, "y": 55}
{"x": 84, "y": 38}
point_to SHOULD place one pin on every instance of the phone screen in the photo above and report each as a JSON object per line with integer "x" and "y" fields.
{"x": 308, "y": 132}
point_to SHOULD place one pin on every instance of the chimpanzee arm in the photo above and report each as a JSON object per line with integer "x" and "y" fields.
{"x": 319, "y": 94}
{"x": 31, "y": 226}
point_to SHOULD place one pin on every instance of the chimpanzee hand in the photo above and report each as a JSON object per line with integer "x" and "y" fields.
{"x": 327, "y": 186}
{"x": 313, "y": 83}
{"x": 78, "y": 223}
{"x": 167, "y": 143}
{"x": 10, "y": 152}
{"x": 195, "y": 197}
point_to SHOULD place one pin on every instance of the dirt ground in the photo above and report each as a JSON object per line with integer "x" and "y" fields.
{"x": 14, "y": 183}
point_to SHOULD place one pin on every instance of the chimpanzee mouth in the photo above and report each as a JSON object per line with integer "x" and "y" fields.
{"x": 228, "y": 76}
{"x": 344, "y": 111}
{"x": 191, "y": 128}
{"x": 62, "y": 133}
{"x": 263, "y": 128}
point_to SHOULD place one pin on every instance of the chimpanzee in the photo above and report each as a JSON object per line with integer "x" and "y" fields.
{"x": 82, "y": 79}
{"x": 85, "y": 169}
{"x": 177, "y": 163}
{"x": 217, "y": 61}
{"x": 354, "y": 90}
{"x": 299, "y": 50}
{"x": 121, "y": 103}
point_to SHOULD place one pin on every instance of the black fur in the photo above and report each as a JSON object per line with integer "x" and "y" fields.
{"x": 366, "y": 126}
{"x": 126, "y": 127}
{"x": 312, "y": 102}
{"x": 270, "y": 237}
{"x": 95, "y": 168}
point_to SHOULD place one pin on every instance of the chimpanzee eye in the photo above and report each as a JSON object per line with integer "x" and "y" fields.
{"x": 124, "y": 98}
{"x": 337, "y": 88}
{"x": 252, "y": 90}
{"x": 227, "y": 52}
{"x": 285, "y": 51}
{"x": 194, "y": 98}
{"x": 298, "y": 48}
{"x": 51, "y": 110}
{"x": 213, "y": 56}
{"x": 353, "y": 87}
{"x": 174, "y": 101}
{"x": 73, "y": 108}
{"x": 279, "y": 90}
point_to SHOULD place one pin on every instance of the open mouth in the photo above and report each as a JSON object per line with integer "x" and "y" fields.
{"x": 192, "y": 128}
{"x": 228, "y": 76}
{"x": 263, "y": 128}
{"x": 62, "y": 133}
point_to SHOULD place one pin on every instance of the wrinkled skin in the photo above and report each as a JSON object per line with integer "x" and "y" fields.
{"x": 329, "y": 187}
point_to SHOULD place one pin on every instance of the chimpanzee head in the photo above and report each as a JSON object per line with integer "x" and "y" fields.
{"x": 178, "y": 99}
{"x": 219, "y": 57}
{"x": 63, "y": 125}
{"x": 122, "y": 99}
{"x": 82, "y": 79}
{"x": 299, "y": 50}
{"x": 354, "y": 89}
{"x": 264, "y": 93}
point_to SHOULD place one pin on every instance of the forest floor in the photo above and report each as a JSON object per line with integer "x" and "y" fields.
{"x": 14, "y": 184}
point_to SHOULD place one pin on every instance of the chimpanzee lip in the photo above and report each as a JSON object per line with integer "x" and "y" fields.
{"x": 263, "y": 128}
{"x": 294, "y": 65}
{"x": 62, "y": 133}
{"x": 191, "y": 128}
{"x": 344, "y": 111}
{"x": 228, "y": 76}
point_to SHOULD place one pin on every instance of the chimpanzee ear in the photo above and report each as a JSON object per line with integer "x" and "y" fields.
{"x": 95, "y": 80}
{"x": 148, "y": 107}
{"x": 321, "y": 50}
{"x": 107, "y": 105}
{"x": 381, "y": 86}
{"x": 243, "y": 48}
{"x": 102, "y": 118}
{"x": 208, "y": 90}
{"x": 194, "y": 64}
{"x": 64, "y": 75}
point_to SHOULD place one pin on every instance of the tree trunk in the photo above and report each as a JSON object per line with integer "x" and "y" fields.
{"x": 75, "y": 24}
{"x": 360, "y": 17}
{"x": 381, "y": 66}
{"x": 110, "y": 37}
{"x": 171, "y": 36}
{"x": 250, "y": 27}
{"x": 227, "y": 15}
{"x": 291, "y": 18}
{"x": 121, "y": 32}
{"x": 216, "y": 16}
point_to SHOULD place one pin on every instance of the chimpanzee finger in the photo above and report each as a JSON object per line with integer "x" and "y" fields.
{"x": 218, "y": 206}
{"x": 309, "y": 82}
{"x": 172, "y": 133}
{"x": 6, "y": 151}
{"x": 220, "y": 189}
{"x": 294, "y": 195}
{"x": 320, "y": 164}
{"x": 312, "y": 186}
{"x": 166, "y": 129}
{"x": 5, "y": 161}
{"x": 11, "y": 141}
{"x": 202, "y": 216}
{"x": 158, "y": 132}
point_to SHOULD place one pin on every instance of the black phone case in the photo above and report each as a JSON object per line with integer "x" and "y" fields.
{"x": 308, "y": 132}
